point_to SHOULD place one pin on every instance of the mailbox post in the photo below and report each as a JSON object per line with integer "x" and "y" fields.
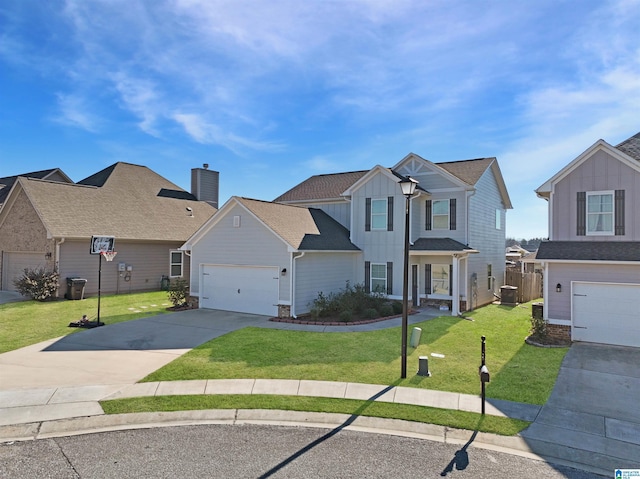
{"x": 483, "y": 372}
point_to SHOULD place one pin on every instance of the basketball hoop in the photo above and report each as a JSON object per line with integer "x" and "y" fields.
{"x": 109, "y": 255}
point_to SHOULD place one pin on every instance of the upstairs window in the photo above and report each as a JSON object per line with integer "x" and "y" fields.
{"x": 600, "y": 213}
{"x": 440, "y": 214}
{"x": 379, "y": 214}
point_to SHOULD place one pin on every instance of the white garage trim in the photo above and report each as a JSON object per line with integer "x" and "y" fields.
{"x": 242, "y": 288}
{"x": 14, "y": 264}
{"x": 605, "y": 313}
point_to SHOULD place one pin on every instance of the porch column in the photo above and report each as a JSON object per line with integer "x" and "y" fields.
{"x": 455, "y": 294}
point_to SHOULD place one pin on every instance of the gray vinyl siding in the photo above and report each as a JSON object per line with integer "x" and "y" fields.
{"x": 341, "y": 212}
{"x": 600, "y": 172}
{"x": 484, "y": 237}
{"x": 380, "y": 246}
{"x": 558, "y": 305}
{"x": 149, "y": 262}
{"x": 250, "y": 244}
{"x": 322, "y": 272}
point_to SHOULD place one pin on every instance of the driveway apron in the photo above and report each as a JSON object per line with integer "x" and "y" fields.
{"x": 592, "y": 416}
{"x": 121, "y": 353}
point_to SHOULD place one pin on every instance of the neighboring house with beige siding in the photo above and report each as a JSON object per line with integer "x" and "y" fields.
{"x": 50, "y": 224}
{"x": 592, "y": 259}
{"x": 275, "y": 257}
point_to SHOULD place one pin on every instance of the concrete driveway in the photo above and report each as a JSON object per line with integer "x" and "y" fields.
{"x": 121, "y": 353}
{"x": 593, "y": 414}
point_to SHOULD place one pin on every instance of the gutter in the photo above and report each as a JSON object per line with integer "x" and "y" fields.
{"x": 293, "y": 281}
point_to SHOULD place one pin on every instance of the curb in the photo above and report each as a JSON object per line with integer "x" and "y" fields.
{"x": 395, "y": 427}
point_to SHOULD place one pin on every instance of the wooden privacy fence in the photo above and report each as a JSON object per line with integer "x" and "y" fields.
{"x": 529, "y": 284}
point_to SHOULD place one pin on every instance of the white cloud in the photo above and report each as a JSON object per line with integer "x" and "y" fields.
{"x": 74, "y": 112}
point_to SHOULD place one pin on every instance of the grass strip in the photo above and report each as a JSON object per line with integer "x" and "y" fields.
{"x": 444, "y": 417}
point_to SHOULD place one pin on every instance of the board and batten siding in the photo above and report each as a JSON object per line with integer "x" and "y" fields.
{"x": 485, "y": 237}
{"x": 341, "y": 212}
{"x": 322, "y": 272}
{"x": 379, "y": 246}
{"x": 600, "y": 172}
{"x": 149, "y": 262}
{"x": 558, "y": 305}
{"x": 250, "y": 244}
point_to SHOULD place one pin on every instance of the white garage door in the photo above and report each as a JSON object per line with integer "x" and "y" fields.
{"x": 246, "y": 289}
{"x": 606, "y": 313}
{"x": 14, "y": 264}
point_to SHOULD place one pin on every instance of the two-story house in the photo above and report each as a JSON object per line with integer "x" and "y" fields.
{"x": 275, "y": 257}
{"x": 592, "y": 259}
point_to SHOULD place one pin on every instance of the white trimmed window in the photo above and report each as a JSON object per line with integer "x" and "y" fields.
{"x": 440, "y": 214}
{"x": 600, "y": 213}
{"x": 378, "y": 278}
{"x": 379, "y": 214}
{"x": 440, "y": 279}
{"x": 176, "y": 259}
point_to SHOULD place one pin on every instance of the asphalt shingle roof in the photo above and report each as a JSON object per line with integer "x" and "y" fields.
{"x": 129, "y": 204}
{"x": 631, "y": 146}
{"x": 439, "y": 244}
{"x": 589, "y": 250}
{"x": 303, "y": 228}
{"x": 7, "y": 182}
{"x": 329, "y": 186}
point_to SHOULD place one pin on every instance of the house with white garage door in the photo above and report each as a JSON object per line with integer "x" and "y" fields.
{"x": 592, "y": 259}
{"x": 274, "y": 258}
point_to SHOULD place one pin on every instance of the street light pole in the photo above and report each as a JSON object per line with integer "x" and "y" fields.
{"x": 408, "y": 188}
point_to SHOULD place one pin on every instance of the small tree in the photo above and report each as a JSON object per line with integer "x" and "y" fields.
{"x": 178, "y": 291}
{"x": 39, "y": 283}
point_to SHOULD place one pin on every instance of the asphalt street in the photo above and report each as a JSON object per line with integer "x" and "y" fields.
{"x": 261, "y": 451}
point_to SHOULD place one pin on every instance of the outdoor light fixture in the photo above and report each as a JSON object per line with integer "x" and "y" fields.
{"x": 408, "y": 187}
{"x": 284, "y": 271}
{"x": 47, "y": 255}
{"x": 558, "y": 288}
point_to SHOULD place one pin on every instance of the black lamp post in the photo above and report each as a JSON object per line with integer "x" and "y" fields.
{"x": 408, "y": 188}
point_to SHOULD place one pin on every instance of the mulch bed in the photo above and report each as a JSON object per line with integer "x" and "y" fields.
{"x": 335, "y": 322}
{"x": 547, "y": 342}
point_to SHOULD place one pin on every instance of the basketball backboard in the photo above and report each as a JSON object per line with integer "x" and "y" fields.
{"x": 102, "y": 244}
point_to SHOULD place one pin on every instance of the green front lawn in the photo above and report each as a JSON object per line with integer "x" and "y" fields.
{"x": 30, "y": 322}
{"x": 519, "y": 372}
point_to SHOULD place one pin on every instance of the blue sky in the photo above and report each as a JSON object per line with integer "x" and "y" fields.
{"x": 272, "y": 92}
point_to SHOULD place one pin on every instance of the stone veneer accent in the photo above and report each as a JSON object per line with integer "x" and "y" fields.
{"x": 284, "y": 311}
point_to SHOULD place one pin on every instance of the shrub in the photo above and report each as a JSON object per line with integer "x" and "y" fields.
{"x": 538, "y": 327}
{"x": 352, "y": 298}
{"x": 386, "y": 309}
{"x": 39, "y": 284}
{"x": 370, "y": 313}
{"x": 397, "y": 307}
{"x": 346, "y": 316}
{"x": 178, "y": 291}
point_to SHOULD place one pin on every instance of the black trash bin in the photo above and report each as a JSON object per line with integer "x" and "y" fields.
{"x": 75, "y": 288}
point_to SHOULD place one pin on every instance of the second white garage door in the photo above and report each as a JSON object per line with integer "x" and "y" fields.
{"x": 246, "y": 289}
{"x": 606, "y": 313}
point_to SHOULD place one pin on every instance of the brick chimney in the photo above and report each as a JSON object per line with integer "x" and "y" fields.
{"x": 204, "y": 184}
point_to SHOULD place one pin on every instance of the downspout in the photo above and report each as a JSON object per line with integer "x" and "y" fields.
{"x": 57, "y": 261}
{"x": 293, "y": 281}
{"x": 467, "y": 215}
